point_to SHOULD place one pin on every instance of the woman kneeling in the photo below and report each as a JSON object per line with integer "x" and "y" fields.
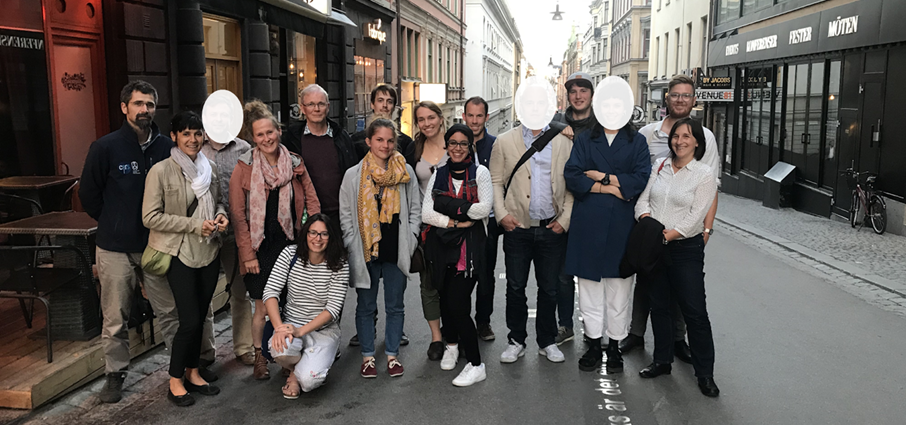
{"x": 315, "y": 275}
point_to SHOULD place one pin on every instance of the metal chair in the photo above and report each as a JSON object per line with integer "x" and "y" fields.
{"x": 23, "y": 279}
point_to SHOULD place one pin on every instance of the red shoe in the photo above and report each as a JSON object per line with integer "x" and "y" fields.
{"x": 395, "y": 368}
{"x": 368, "y": 369}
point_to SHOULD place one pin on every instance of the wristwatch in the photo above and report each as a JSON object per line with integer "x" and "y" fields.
{"x": 606, "y": 180}
{"x": 709, "y": 231}
{"x": 455, "y": 223}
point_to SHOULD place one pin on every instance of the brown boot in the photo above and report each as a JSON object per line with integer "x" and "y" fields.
{"x": 260, "y": 372}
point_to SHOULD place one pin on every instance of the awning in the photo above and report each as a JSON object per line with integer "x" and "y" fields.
{"x": 339, "y": 18}
{"x": 301, "y": 8}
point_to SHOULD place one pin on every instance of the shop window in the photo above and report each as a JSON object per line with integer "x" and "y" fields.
{"x": 368, "y": 74}
{"x": 727, "y": 10}
{"x": 831, "y": 152}
{"x": 302, "y": 67}
{"x": 222, "y": 49}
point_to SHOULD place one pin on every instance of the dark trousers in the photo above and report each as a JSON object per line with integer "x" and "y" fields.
{"x": 192, "y": 290}
{"x": 484, "y": 297}
{"x": 456, "y": 313}
{"x": 641, "y": 307}
{"x": 566, "y": 296}
{"x": 544, "y": 248}
{"x": 682, "y": 280}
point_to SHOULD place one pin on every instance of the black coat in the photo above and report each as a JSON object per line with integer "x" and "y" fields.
{"x": 112, "y": 186}
{"x": 346, "y": 152}
{"x": 644, "y": 249}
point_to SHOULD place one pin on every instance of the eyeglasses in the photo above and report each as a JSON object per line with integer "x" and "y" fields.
{"x": 684, "y": 96}
{"x": 319, "y": 105}
{"x": 461, "y": 145}
{"x": 314, "y": 234}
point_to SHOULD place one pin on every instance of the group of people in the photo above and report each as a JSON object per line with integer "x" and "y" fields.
{"x": 295, "y": 217}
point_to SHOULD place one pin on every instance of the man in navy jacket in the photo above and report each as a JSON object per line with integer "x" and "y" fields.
{"x": 111, "y": 191}
{"x": 475, "y": 116}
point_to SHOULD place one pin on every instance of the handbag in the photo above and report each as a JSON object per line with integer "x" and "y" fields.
{"x": 158, "y": 263}
{"x": 417, "y": 264}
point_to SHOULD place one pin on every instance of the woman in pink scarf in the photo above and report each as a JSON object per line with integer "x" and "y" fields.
{"x": 274, "y": 188}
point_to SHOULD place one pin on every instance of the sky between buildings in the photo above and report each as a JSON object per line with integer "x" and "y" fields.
{"x": 543, "y": 38}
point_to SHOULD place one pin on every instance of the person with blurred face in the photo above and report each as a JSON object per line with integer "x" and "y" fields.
{"x": 680, "y": 99}
{"x": 460, "y": 201}
{"x": 324, "y": 146}
{"x": 383, "y": 104}
{"x": 429, "y": 154}
{"x": 111, "y": 190}
{"x": 476, "y": 117}
{"x": 271, "y": 193}
{"x": 182, "y": 210}
{"x": 380, "y": 215}
{"x": 218, "y": 118}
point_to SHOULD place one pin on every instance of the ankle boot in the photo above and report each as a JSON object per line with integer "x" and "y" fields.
{"x": 260, "y": 371}
{"x": 591, "y": 360}
{"x": 614, "y": 356}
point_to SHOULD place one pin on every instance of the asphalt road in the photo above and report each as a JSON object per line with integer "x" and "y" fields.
{"x": 791, "y": 349}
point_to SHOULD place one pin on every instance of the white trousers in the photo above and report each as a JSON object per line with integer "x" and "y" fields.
{"x": 611, "y": 297}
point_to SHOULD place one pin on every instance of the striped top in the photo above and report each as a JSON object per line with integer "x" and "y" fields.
{"x": 313, "y": 288}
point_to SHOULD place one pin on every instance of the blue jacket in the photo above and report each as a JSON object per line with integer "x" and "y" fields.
{"x": 483, "y": 149}
{"x": 113, "y": 186}
{"x": 601, "y": 223}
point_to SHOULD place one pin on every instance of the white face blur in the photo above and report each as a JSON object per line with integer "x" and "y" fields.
{"x": 613, "y": 101}
{"x": 535, "y": 103}
{"x": 222, "y": 116}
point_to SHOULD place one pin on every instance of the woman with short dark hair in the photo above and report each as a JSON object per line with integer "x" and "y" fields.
{"x": 679, "y": 194}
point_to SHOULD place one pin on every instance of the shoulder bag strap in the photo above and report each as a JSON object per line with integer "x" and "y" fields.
{"x": 537, "y": 146}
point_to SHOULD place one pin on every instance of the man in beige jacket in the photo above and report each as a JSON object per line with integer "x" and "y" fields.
{"x": 534, "y": 215}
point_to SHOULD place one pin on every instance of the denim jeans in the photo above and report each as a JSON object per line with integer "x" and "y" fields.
{"x": 566, "y": 296}
{"x": 484, "y": 296}
{"x": 366, "y": 306}
{"x": 544, "y": 248}
{"x": 682, "y": 280}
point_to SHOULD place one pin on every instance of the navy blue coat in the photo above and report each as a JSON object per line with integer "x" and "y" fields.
{"x": 601, "y": 223}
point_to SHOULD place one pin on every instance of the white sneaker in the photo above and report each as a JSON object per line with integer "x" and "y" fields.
{"x": 451, "y": 356}
{"x": 513, "y": 352}
{"x": 552, "y": 353}
{"x": 470, "y": 375}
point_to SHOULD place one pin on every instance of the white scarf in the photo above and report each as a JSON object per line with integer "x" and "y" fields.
{"x": 199, "y": 173}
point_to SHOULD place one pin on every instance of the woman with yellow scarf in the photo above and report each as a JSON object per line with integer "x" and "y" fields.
{"x": 380, "y": 214}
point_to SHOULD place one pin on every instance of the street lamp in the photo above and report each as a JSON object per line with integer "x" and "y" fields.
{"x": 558, "y": 15}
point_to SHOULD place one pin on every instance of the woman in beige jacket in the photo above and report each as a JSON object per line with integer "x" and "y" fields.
{"x": 182, "y": 208}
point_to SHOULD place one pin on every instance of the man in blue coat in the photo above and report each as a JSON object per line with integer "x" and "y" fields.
{"x": 606, "y": 172}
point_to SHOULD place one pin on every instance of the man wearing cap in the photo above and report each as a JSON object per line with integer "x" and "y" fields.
{"x": 579, "y": 117}
{"x": 680, "y": 98}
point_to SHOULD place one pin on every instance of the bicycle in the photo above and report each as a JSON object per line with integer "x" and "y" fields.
{"x": 865, "y": 201}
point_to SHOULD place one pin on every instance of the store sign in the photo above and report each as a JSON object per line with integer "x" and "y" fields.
{"x": 7, "y": 40}
{"x": 714, "y": 95}
{"x": 373, "y": 31}
{"x": 722, "y": 83}
{"x": 732, "y": 49}
{"x": 763, "y": 43}
{"x": 844, "y": 26}
{"x": 802, "y": 35}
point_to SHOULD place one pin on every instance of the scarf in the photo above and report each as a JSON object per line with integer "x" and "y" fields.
{"x": 379, "y": 183}
{"x": 265, "y": 179}
{"x": 199, "y": 173}
{"x": 580, "y": 125}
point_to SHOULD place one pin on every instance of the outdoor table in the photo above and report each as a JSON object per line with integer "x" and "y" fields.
{"x": 46, "y": 190}
{"x": 75, "y": 309}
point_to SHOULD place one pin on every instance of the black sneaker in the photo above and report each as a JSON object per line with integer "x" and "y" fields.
{"x": 485, "y": 332}
{"x": 564, "y": 334}
{"x": 113, "y": 389}
{"x": 404, "y": 340}
{"x": 354, "y": 341}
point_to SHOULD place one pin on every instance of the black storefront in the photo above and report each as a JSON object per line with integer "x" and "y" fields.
{"x": 371, "y": 42}
{"x": 816, "y": 92}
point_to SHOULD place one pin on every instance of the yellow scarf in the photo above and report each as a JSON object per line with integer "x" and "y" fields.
{"x": 375, "y": 178}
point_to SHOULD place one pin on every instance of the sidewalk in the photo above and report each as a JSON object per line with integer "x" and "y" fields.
{"x": 869, "y": 265}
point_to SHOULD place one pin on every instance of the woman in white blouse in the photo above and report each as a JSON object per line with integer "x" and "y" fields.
{"x": 679, "y": 194}
{"x": 315, "y": 276}
{"x": 458, "y": 196}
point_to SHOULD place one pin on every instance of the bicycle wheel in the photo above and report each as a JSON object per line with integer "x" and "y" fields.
{"x": 854, "y": 210}
{"x": 878, "y": 214}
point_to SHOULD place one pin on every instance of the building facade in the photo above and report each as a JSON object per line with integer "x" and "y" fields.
{"x": 595, "y": 47}
{"x": 572, "y": 62}
{"x": 812, "y": 84}
{"x": 432, "y": 36}
{"x": 629, "y": 40}
{"x": 493, "y": 60}
{"x": 679, "y": 29}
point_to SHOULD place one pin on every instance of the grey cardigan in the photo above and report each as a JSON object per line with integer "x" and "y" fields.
{"x": 410, "y": 222}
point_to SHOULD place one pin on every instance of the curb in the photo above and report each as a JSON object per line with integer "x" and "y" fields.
{"x": 842, "y": 266}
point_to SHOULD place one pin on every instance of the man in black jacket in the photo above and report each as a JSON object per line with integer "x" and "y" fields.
{"x": 111, "y": 191}
{"x": 383, "y": 101}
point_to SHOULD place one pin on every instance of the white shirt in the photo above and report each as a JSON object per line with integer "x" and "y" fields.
{"x": 658, "y": 146}
{"x": 678, "y": 200}
{"x": 541, "y": 204}
{"x": 476, "y": 212}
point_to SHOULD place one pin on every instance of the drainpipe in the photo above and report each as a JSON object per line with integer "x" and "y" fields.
{"x": 462, "y": 13}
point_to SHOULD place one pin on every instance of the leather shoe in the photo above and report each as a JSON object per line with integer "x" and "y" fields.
{"x": 206, "y": 389}
{"x": 631, "y": 342}
{"x": 436, "y": 350}
{"x": 656, "y": 369}
{"x": 182, "y": 400}
{"x": 247, "y": 359}
{"x": 708, "y": 387}
{"x": 681, "y": 351}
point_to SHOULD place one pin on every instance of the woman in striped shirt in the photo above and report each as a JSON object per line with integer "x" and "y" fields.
{"x": 315, "y": 274}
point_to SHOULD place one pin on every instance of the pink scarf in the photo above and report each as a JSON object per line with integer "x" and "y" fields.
{"x": 264, "y": 179}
